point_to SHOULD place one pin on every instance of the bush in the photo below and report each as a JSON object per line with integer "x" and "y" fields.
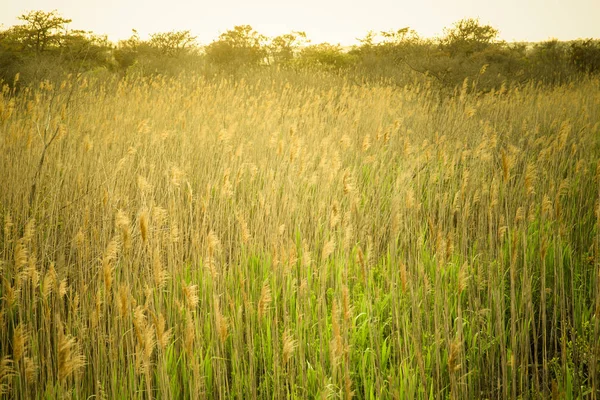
{"x": 585, "y": 56}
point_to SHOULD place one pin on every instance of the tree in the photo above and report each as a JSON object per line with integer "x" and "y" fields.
{"x": 466, "y": 37}
{"x": 549, "y": 62}
{"x": 172, "y": 44}
{"x": 325, "y": 55}
{"x": 127, "y": 51}
{"x": 585, "y": 55}
{"x": 239, "y": 46}
{"x": 86, "y": 50}
{"x": 41, "y": 30}
{"x": 284, "y": 48}
{"x": 43, "y": 48}
{"x": 164, "y": 53}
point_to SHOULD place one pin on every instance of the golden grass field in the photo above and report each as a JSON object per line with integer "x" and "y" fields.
{"x": 295, "y": 236}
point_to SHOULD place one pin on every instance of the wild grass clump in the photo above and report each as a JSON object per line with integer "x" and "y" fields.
{"x": 269, "y": 238}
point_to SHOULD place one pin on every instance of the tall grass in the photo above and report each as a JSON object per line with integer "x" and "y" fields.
{"x": 299, "y": 238}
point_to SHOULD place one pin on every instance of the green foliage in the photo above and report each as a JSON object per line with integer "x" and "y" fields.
{"x": 127, "y": 51}
{"x": 549, "y": 62}
{"x": 42, "y": 47}
{"x": 41, "y": 31}
{"x": 172, "y": 44}
{"x": 165, "y": 53}
{"x": 284, "y": 48}
{"x": 466, "y": 37}
{"x": 585, "y": 55}
{"x": 324, "y": 55}
{"x": 240, "y": 46}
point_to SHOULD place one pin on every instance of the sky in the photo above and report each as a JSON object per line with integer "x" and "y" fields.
{"x": 334, "y": 21}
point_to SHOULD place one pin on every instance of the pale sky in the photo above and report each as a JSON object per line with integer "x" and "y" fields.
{"x": 335, "y": 21}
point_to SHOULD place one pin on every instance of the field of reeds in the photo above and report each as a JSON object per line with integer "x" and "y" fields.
{"x": 298, "y": 237}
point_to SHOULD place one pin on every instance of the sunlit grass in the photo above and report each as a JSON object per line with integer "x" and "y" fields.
{"x": 299, "y": 238}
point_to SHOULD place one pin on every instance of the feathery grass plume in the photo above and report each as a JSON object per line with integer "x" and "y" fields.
{"x": 148, "y": 297}
{"x": 563, "y": 134}
{"x": 449, "y": 245}
{"x": 101, "y": 392}
{"x": 470, "y": 111}
{"x": 502, "y": 229}
{"x": 227, "y": 186}
{"x": 62, "y": 288}
{"x": 463, "y": 278}
{"x": 220, "y": 321}
{"x": 6, "y": 373}
{"x": 97, "y": 310}
{"x": 348, "y": 182}
{"x": 360, "y": 259}
{"x": 387, "y": 135}
{"x": 163, "y": 335}
{"x": 366, "y": 143}
{"x": 29, "y": 231}
{"x": 506, "y": 165}
{"x": 110, "y": 256}
{"x": 289, "y": 344}
{"x": 547, "y": 206}
{"x": 377, "y": 206}
{"x": 454, "y": 362}
{"x": 143, "y": 222}
{"x": 122, "y": 223}
{"x": 19, "y": 342}
{"x": 144, "y": 186}
{"x": 144, "y": 350}
{"x": 176, "y": 175}
{"x": 139, "y": 323}
{"x": 214, "y": 244}
{"x": 174, "y": 233}
{"x": 189, "y": 334}
{"x": 531, "y": 177}
{"x": 147, "y": 348}
{"x": 8, "y": 225}
{"x": 348, "y": 235}
{"x": 245, "y": 232}
{"x": 159, "y": 217}
{"x": 190, "y": 295}
{"x": 348, "y": 385}
{"x": 123, "y": 299}
{"x": 464, "y": 90}
{"x": 49, "y": 282}
{"x": 70, "y": 358}
{"x": 335, "y": 217}
{"x": 159, "y": 273}
{"x": 31, "y": 272}
{"x": 292, "y": 256}
{"x": 346, "y": 142}
{"x": 31, "y": 369}
{"x": 347, "y": 305}
{"x": 20, "y": 255}
{"x": 78, "y": 240}
{"x": 306, "y": 255}
{"x": 264, "y": 301}
{"x": 328, "y": 249}
{"x": 519, "y": 215}
{"x": 335, "y": 345}
{"x": 403, "y": 276}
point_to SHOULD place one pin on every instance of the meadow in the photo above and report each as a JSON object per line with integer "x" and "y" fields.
{"x": 290, "y": 235}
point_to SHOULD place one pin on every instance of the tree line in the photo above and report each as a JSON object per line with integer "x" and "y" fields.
{"x": 43, "y": 47}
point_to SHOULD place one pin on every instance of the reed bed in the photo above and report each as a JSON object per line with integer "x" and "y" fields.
{"x": 298, "y": 237}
